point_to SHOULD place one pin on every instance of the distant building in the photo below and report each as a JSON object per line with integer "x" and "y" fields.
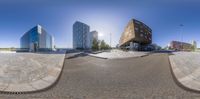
{"x": 37, "y": 39}
{"x": 194, "y": 44}
{"x": 81, "y": 35}
{"x": 93, "y": 35}
{"x": 176, "y": 45}
{"x": 136, "y": 36}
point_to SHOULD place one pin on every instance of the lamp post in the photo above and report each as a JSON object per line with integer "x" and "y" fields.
{"x": 110, "y": 39}
{"x": 181, "y": 25}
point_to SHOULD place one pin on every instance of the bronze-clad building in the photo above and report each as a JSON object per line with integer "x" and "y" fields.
{"x": 137, "y": 33}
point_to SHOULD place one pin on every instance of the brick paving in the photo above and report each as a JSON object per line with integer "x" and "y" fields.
{"x": 25, "y": 72}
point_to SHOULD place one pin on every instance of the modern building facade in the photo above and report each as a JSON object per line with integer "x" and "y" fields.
{"x": 180, "y": 46}
{"x": 136, "y": 36}
{"x": 93, "y": 35}
{"x": 81, "y": 35}
{"x": 37, "y": 39}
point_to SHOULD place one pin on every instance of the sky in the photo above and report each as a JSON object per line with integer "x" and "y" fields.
{"x": 105, "y": 16}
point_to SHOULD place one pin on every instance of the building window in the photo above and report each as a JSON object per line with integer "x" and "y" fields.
{"x": 141, "y": 35}
{"x": 137, "y": 22}
{"x": 130, "y": 31}
{"x": 136, "y": 29}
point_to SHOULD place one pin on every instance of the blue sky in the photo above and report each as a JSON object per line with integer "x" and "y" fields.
{"x": 105, "y": 16}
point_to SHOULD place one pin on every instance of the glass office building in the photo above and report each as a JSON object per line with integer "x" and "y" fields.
{"x": 81, "y": 35}
{"x": 37, "y": 39}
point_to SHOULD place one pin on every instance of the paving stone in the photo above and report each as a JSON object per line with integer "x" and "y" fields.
{"x": 19, "y": 88}
{"x": 21, "y": 72}
{"x": 40, "y": 84}
{"x": 186, "y": 67}
{"x": 3, "y": 86}
{"x": 117, "y": 54}
{"x": 50, "y": 79}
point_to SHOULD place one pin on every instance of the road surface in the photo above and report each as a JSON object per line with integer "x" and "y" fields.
{"x": 86, "y": 77}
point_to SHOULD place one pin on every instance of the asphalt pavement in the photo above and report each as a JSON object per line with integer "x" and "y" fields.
{"x": 85, "y": 77}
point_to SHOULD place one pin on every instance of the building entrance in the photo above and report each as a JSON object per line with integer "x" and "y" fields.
{"x": 34, "y": 47}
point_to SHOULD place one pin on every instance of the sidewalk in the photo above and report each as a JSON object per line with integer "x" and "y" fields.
{"x": 186, "y": 68}
{"x": 27, "y": 72}
{"x": 117, "y": 54}
{"x": 7, "y": 51}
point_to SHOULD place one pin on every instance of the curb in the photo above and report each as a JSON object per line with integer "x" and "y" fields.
{"x": 178, "y": 82}
{"x": 118, "y": 58}
{"x": 97, "y": 57}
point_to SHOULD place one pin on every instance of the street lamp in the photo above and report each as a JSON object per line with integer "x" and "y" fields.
{"x": 110, "y": 39}
{"x": 181, "y": 25}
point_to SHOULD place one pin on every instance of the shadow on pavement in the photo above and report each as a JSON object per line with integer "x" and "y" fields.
{"x": 82, "y": 54}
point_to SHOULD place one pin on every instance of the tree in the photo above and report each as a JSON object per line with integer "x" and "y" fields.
{"x": 166, "y": 48}
{"x": 104, "y": 46}
{"x": 95, "y": 44}
{"x": 193, "y": 48}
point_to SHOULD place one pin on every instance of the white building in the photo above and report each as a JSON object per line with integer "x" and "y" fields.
{"x": 93, "y": 35}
